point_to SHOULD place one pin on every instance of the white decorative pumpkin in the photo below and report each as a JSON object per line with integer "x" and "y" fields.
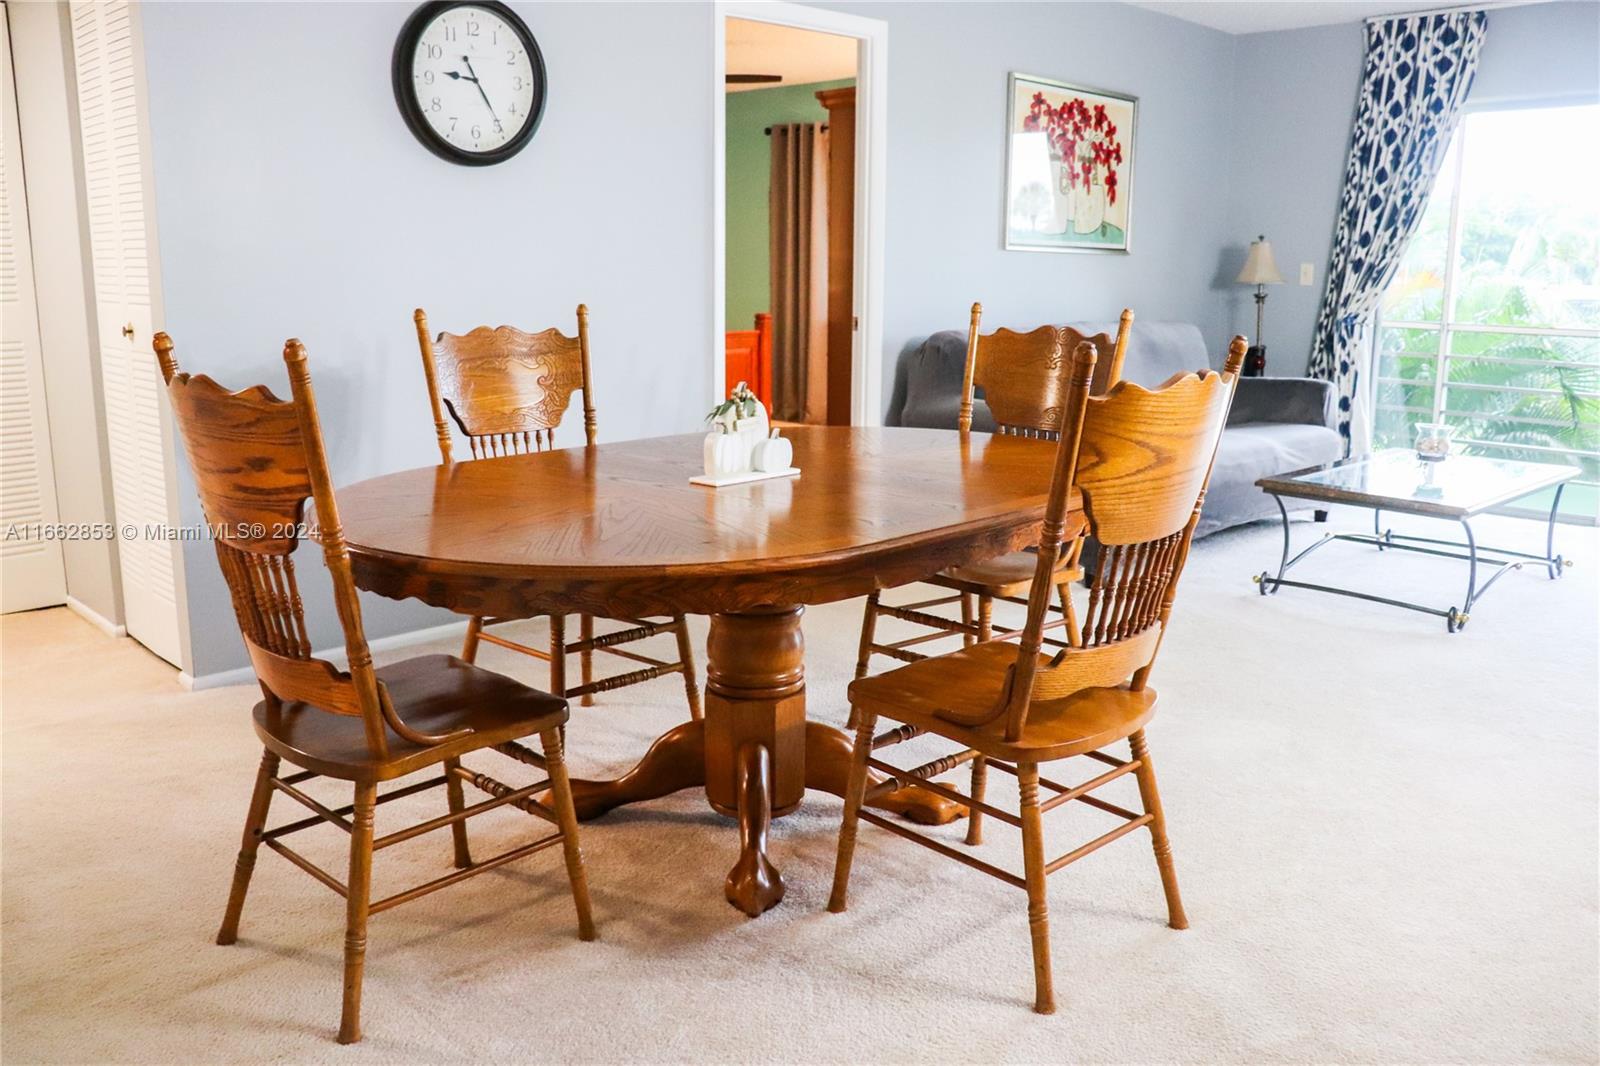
{"x": 773, "y": 454}
{"x": 725, "y": 453}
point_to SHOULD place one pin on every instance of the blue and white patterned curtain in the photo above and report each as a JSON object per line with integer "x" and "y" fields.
{"x": 1417, "y": 74}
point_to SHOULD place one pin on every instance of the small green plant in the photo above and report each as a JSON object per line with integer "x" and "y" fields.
{"x": 741, "y": 403}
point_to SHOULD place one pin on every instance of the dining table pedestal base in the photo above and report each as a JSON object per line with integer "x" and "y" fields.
{"x": 754, "y": 752}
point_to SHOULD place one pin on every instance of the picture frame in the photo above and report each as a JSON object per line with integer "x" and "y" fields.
{"x": 1050, "y": 206}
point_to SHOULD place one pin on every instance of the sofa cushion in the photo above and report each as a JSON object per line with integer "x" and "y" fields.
{"x": 933, "y": 375}
{"x": 1255, "y": 450}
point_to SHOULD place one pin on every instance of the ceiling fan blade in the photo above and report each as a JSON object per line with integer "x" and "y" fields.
{"x": 753, "y": 79}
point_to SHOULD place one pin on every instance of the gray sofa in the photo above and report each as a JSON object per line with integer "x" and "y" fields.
{"x": 1276, "y": 425}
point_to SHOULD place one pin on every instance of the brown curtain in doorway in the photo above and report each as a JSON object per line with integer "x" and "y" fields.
{"x": 797, "y": 203}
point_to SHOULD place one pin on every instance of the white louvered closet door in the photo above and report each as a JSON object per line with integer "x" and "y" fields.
{"x": 31, "y": 570}
{"x": 109, "y": 103}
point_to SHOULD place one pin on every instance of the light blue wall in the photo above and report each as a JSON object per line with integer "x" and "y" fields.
{"x": 946, "y": 170}
{"x": 1294, "y": 100}
{"x": 292, "y": 201}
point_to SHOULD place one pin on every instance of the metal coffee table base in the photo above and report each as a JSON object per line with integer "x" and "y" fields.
{"x": 1387, "y": 539}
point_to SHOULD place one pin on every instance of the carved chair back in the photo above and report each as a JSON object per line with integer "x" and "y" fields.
{"x": 1141, "y": 459}
{"x": 1023, "y": 374}
{"x": 506, "y": 390}
{"x": 256, "y": 459}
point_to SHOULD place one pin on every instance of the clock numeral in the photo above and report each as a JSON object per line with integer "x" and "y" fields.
{"x": 511, "y": 59}
{"x": 433, "y": 51}
{"x": 435, "y": 105}
{"x": 427, "y": 77}
{"x": 472, "y": 29}
{"x": 449, "y": 33}
{"x": 452, "y": 123}
{"x": 516, "y": 83}
{"x": 476, "y": 132}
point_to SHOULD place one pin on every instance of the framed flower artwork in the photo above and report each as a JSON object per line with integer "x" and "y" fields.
{"x": 1069, "y": 167}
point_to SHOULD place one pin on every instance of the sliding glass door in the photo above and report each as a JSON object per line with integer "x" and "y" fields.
{"x": 1493, "y": 322}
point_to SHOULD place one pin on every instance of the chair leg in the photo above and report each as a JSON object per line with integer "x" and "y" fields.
{"x": 245, "y": 864}
{"x": 980, "y": 767}
{"x": 691, "y": 681}
{"x": 1074, "y": 635}
{"x": 869, "y": 629}
{"x": 586, "y": 657}
{"x": 980, "y": 778}
{"x": 1044, "y": 1001}
{"x": 567, "y": 819}
{"x": 469, "y": 647}
{"x": 854, "y": 792}
{"x": 457, "y": 802}
{"x": 357, "y": 902}
{"x": 967, "y": 639}
{"x": 1151, "y": 798}
{"x": 558, "y": 655}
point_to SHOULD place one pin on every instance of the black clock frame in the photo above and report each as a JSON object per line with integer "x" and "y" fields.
{"x": 405, "y": 96}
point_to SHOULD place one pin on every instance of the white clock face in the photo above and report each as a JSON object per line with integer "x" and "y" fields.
{"x": 474, "y": 79}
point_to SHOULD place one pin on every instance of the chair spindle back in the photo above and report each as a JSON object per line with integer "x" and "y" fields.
{"x": 1023, "y": 374}
{"x": 505, "y": 389}
{"x": 256, "y": 459}
{"x": 1141, "y": 460}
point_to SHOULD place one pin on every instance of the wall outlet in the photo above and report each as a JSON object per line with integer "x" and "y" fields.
{"x": 1307, "y": 273}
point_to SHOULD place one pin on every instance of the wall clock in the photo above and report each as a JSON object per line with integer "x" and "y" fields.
{"x": 470, "y": 80}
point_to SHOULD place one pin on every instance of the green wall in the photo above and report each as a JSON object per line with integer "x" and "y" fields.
{"x": 749, "y": 163}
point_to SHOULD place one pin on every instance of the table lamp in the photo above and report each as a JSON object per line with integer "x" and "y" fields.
{"x": 1259, "y": 270}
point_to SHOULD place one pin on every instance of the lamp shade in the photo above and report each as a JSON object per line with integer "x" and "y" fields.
{"x": 1259, "y": 266}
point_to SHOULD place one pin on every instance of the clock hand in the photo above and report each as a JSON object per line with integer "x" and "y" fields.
{"x": 474, "y": 79}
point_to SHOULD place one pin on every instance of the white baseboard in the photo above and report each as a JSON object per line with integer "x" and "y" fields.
{"x": 245, "y": 675}
{"x": 95, "y": 618}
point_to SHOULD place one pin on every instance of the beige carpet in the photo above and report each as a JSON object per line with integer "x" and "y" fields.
{"x": 1386, "y": 838}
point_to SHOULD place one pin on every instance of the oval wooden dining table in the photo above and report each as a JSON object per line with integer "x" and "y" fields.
{"x": 618, "y": 530}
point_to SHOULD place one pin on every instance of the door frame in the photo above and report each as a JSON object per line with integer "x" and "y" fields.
{"x": 872, "y": 128}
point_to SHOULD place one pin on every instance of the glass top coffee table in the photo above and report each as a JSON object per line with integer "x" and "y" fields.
{"x": 1457, "y": 489}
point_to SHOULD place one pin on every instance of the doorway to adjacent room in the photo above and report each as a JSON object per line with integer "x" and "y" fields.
{"x": 798, "y": 241}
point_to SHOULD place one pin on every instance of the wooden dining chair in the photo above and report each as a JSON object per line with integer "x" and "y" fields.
{"x": 256, "y": 459}
{"x": 1140, "y": 459}
{"x": 1020, "y": 377}
{"x": 507, "y": 391}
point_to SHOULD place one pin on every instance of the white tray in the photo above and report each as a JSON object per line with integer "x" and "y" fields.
{"x": 740, "y": 479}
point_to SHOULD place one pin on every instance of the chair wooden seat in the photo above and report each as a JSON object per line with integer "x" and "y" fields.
{"x": 1003, "y": 576}
{"x": 436, "y": 694}
{"x": 963, "y": 684}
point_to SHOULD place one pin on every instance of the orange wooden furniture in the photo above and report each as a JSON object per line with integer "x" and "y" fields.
{"x": 1141, "y": 460}
{"x": 256, "y": 459}
{"x": 749, "y": 359}
{"x": 620, "y": 530}
{"x": 1020, "y": 374}
{"x": 507, "y": 391}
